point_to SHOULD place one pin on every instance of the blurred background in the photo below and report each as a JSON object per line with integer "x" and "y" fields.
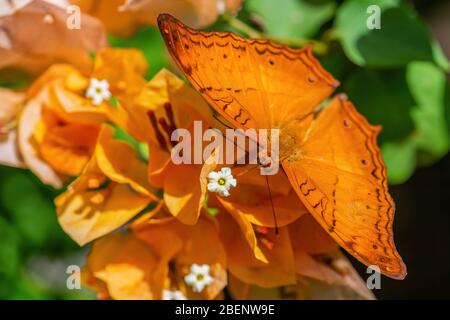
{"x": 397, "y": 76}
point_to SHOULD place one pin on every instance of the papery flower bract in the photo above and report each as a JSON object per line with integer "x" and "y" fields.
{"x": 122, "y": 17}
{"x": 47, "y": 128}
{"x": 318, "y": 269}
{"x": 196, "y": 13}
{"x": 251, "y": 199}
{"x": 59, "y": 125}
{"x": 12, "y": 104}
{"x": 120, "y": 266}
{"x": 110, "y": 191}
{"x": 165, "y": 104}
{"x": 34, "y": 34}
{"x": 123, "y": 69}
{"x": 257, "y": 255}
{"x": 176, "y": 247}
{"x": 182, "y": 246}
{"x": 317, "y": 257}
{"x": 116, "y": 22}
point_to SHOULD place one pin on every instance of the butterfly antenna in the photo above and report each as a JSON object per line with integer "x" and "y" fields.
{"x": 226, "y": 138}
{"x": 221, "y": 121}
{"x": 273, "y": 207}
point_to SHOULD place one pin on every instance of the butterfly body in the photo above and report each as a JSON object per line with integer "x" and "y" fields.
{"x": 329, "y": 154}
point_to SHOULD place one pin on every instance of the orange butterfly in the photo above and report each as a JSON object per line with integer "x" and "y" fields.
{"x": 329, "y": 154}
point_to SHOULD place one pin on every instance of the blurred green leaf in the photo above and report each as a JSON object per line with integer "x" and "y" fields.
{"x": 9, "y": 249}
{"x": 27, "y": 289}
{"x": 209, "y": 210}
{"x": 14, "y": 79}
{"x": 351, "y": 24}
{"x": 383, "y": 97}
{"x": 113, "y": 102}
{"x": 440, "y": 57}
{"x": 336, "y": 62}
{"x": 400, "y": 159}
{"x": 403, "y": 37}
{"x": 447, "y": 105}
{"x": 292, "y": 18}
{"x": 143, "y": 151}
{"x": 29, "y": 227}
{"x": 141, "y": 148}
{"x": 427, "y": 84}
{"x": 32, "y": 212}
{"x": 149, "y": 41}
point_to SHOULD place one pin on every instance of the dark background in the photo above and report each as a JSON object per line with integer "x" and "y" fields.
{"x": 422, "y": 220}
{"x": 422, "y": 234}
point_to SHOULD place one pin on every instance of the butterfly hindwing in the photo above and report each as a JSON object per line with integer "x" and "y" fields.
{"x": 340, "y": 177}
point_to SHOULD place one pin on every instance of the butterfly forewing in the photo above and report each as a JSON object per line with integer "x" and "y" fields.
{"x": 253, "y": 83}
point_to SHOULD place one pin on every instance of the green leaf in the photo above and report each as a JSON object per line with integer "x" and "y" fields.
{"x": 403, "y": 37}
{"x": 9, "y": 249}
{"x": 427, "y": 84}
{"x": 14, "y": 79}
{"x": 400, "y": 159}
{"x": 143, "y": 151}
{"x": 122, "y": 135}
{"x": 211, "y": 211}
{"x": 27, "y": 288}
{"x": 447, "y": 105}
{"x": 32, "y": 212}
{"x": 440, "y": 57}
{"x": 113, "y": 102}
{"x": 149, "y": 41}
{"x": 336, "y": 62}
{"x": 292, "y": 18}
{"x": 141, "y": 148}
{"x": 383, "y": 97}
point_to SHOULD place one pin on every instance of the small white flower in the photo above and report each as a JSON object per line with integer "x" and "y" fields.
{"x": 98, "y": 91}
{"x": 173, "y": 295}
{"x": 199, "y": 277}
{"x": 221, "y": 181}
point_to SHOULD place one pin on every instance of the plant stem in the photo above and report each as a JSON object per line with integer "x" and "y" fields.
{"x": 319, "y": 47}
{"x": 242, "y": 26}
